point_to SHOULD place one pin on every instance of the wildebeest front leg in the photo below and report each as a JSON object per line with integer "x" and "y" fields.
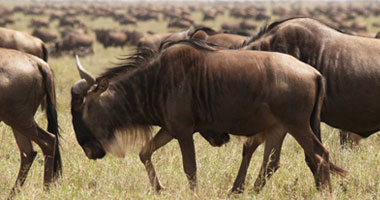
{"x": 27, "y": 155}
{"x": 249, "y": 147}
{"x": 159, "y": 140}
{"x": 271, "y": 160}
{"x": 186, "y": 144}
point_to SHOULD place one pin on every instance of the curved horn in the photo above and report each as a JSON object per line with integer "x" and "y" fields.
{"x": 84, "y": 74}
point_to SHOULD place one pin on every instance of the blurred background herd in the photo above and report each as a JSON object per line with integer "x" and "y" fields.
{"x": 73, "y": 27}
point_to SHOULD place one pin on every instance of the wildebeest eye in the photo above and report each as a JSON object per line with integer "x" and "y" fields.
{"x": 78, "y": 101}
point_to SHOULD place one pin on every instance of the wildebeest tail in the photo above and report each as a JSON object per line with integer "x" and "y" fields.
{"x": 315, "y": 120}
{"x": 51, "y": 112}
{"x": 45, "y": 52}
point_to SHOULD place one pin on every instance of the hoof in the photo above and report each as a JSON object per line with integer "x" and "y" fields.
{"x": 159, "y": 189}
{"x": 237, "y": 190}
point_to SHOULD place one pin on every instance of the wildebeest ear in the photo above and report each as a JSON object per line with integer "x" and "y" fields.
{"x": 200, "y": 35}
{"x": 102, "y": 85}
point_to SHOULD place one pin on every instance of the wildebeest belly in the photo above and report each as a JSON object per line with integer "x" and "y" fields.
{"x": 241, "y": 120}
{"x": 361, "y": 117}
{"x": 352, "y": 101}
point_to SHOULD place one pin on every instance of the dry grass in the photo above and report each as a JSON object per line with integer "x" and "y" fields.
{"x": 113, "y": 178}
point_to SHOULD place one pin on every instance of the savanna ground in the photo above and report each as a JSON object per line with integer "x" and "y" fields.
{"x": 114, "y": 178}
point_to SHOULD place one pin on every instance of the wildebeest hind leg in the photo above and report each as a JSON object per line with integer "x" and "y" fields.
{"x": 159, "y": 140}
{"x": 249, "y": 147}
{"x": 319, "y": 156}
{"x": 27, "y": 155}
{"x": 47, "y": 142}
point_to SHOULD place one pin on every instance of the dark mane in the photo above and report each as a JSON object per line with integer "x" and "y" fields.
{"x": 195, "y": 43}
{"x": 266, "y": 28}
{"x": 129, "y": 62}
{"x": 144, "y": 55}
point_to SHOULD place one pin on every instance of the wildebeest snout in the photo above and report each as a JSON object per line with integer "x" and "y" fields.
{"x": 93, "y": 150}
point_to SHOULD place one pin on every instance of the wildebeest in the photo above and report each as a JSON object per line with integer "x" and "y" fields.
{"x": 205, "y": 89}
{"x": 44, "y": 35}
{"x": 6, "y": 20}
{"x": 25, "y": 83}
{"x": 38, "y": 23}
{"x": 180, "y": 23}
{"x": 154, "y": 41}
{"x": 75, "y": 43}
{"x": 24, "y": 42}
{"x": 350, "y": 64}
{"x": 109, "y": 37}
{"x": 227, "y": 40}
{"x": 69, "y": 21}
{"x": 133, "y": 37}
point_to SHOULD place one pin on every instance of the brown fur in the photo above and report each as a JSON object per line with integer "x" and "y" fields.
{"x": 24, "y": 42}
{"x": 342, "y": 59}
{"x": 349, "y": 63}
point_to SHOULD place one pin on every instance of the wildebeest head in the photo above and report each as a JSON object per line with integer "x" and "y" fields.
{"x": 83, "y": 93}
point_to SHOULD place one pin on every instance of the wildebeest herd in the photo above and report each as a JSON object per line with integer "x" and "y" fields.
{"x": 287, "y": 77}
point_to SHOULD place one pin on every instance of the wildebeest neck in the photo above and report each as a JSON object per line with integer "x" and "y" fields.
{"x": 135, "y": 98}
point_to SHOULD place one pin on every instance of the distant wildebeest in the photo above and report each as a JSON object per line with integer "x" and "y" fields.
{"x": 145, "y": 15}
{"x": 230, "y": 27}
{"x": 350, "y": 64}
{"x": 44, "y": 35}
{"x": 133, "y": 37}
{"x": 180, "y": 23}
{"x": 247, "y": 25}
{"x": 227, "y": 40}
{"x": 74, "y": 43}
{"x": 205, "y": 89}
{"x": 209, "y": 14}
{"x": 154, "y": 41}
{"x": 69, "y": 21}
{"x": 75, "y": 31}
{"x": 24, "y": 42}
{"x": 25, "y": 83}
{"x": 6, "y": 20}
{"x": 38, "y": 23}
{"x": 110, "y": 37}
{"x": 125, "y": 19}
{"x": 55, "y": 16}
